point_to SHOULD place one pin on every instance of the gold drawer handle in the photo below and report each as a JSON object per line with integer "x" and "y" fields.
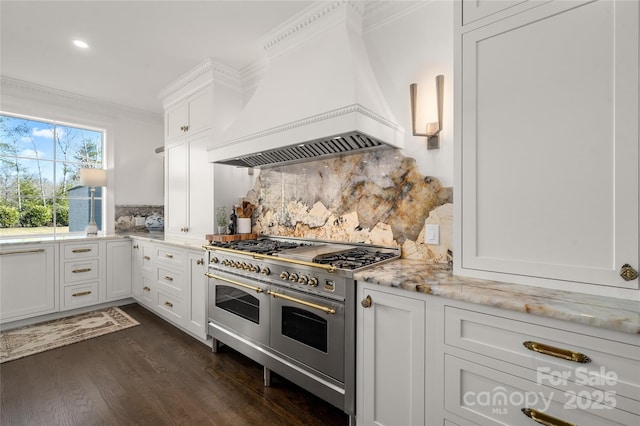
{"x": 83, "y": 250}
{"x": 80, "y": 271}
{"x": 557, "y": 352}
{"x": 169, "y": 304}
{"x": 145, "y": 288}
{"x": 169, "y": 255}
{"x": 168, "y": 278}
{"x": 544, "y": 419}
{"x": 146, "y": 257}
{"x": 82, "y": 293}
{"x": 22, "y": 252}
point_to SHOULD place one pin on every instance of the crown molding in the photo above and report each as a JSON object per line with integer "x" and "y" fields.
{"x": 12, "y": 86}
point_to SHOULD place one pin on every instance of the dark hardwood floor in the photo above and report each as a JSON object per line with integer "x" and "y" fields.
{"x": 152, "y": 374}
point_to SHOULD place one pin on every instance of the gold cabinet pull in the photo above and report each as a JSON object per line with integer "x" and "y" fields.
{"x": 82, "y": 293}
{"x": 21, "y": 251}
{"x": 80, "y": 271}
{"x": 557, "y": 352}
{"x": 135, "y": 247}
{"x": 82, "y": 250}
{"x": 324, "y": 309}
{"x": 146, "y": 257}
{"x": 366, "y": 302}
{"x": 544, "y": 419}
{"x": 145, "y": 288}
{"x": 169, "y": 304}
{"x": 200, "y": 262}
{"x": 250, "y": 287}
{"x": 168, "y": 278}
{"x": 168, "y": 255}
{"x": 628, "y": 273}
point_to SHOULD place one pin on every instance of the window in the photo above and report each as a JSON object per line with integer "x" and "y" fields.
{"x": 39, "y": 176}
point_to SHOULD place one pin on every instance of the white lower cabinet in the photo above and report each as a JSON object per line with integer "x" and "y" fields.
{"x": 170, "y": 282}
{"x": 119, "y": 270}
{"x": 427, "y": 360}
{"x": 28, "y": 282}
{"x": 390, "y": 358}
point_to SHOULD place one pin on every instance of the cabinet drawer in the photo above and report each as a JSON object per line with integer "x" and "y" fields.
{"x": 80, "y": 251}
{"x": 490, "y": 397}
{"x": 171, "y": 307}
{"x": 170, "y": 281}
{"x": 170, "y": 256}
{"x": 613, "y": 366}
{"x": 79, "y": 295}
{"x": 80, "y": 271}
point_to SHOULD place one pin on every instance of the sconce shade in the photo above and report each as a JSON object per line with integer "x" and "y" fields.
{"x": 93, "y": 177}
{"x": 433, "y": 129}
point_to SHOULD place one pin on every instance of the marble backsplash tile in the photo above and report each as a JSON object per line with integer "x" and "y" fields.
{"x": 376, "y": 198}
{"x": 131, "y": 218}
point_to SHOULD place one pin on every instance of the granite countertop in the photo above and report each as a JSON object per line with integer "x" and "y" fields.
{"x": 438, "y": 280}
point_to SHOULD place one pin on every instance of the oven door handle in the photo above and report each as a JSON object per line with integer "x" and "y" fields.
{"x": 324, "y": 309}
{"x": 250, "y": 287}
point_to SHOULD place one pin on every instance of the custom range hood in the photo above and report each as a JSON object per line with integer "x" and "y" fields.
{"x": 318, "y": 97}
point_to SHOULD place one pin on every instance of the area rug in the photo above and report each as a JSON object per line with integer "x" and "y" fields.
{"x": 32, "y": 339}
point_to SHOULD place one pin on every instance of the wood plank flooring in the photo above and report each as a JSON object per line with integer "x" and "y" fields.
{"x": 152, "y": 374}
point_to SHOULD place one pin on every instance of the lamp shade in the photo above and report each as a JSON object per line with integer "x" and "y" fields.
{"x": 93, "y": 177}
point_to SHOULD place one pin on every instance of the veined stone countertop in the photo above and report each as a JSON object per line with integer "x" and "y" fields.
{"x": 597, "y": 311}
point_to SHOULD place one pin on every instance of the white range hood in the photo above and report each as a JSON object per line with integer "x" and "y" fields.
{"x": 318, "y": 97}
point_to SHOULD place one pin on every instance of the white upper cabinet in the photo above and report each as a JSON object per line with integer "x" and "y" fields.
{"x": 547, "y": 147}
{"x": 190, "y": 115}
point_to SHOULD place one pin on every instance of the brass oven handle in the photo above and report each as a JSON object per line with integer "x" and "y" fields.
{"x": 82, "y": 250}
{"x": 302, "y": 302}
{"x": 82, "y": 293}
{"x": 79, "y": 271}
{"x": 21, "y": 251}
{"x": 557, "y": 352}
{"x": 544, "y": 419}
{"x": 328, "y": 268}
{"x": 250, "y": 287}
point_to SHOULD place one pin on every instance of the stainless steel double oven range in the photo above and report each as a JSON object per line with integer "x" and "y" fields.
{"x": 289, "y": 304}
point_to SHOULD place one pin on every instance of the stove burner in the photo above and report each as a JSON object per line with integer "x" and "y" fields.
{"x": 268, "y": 247}
{"x": 353, "y": 259}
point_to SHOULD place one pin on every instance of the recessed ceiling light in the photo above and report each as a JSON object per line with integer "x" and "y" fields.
{"x": 81, "y": 44}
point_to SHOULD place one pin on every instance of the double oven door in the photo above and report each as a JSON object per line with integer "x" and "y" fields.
{"x": 239, "y": 305}
{"x": 308, "y": 329}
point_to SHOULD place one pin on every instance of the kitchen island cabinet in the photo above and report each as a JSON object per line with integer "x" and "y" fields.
{"x": 28, "y": 281}
{"x": 547, "y": 144}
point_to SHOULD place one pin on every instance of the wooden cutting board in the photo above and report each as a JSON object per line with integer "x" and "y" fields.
{"x": 234, "y": 237}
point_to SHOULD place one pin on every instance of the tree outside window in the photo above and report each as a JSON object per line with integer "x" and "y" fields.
{"x": 39, "y": 176}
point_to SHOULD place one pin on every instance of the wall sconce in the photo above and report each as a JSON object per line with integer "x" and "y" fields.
{"x": 93, "y": 178}
{"x": 433, "y": 129}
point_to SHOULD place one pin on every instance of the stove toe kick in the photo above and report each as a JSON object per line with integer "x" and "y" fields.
{"x": 325, "y": 387}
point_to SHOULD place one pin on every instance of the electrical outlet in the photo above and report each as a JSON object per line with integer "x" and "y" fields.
{"x": 139, "y": 221}
{"x": 432, "y": 234}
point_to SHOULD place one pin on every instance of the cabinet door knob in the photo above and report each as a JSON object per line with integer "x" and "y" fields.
{"x": 628, "y": 273}
{"x": 200, "y": 262}
{"x": 366, "y": 303}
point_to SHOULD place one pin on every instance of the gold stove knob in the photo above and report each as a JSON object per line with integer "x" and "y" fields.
{"x": 265, "y": 271}
{"x": 313, "y": 282}
{"x": 284, "y": 275}
{"x": 293, "y": 277}
{"x": 303, "y": 279}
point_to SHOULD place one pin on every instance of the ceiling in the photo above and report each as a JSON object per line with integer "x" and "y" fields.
{"x": 137, "y": 48}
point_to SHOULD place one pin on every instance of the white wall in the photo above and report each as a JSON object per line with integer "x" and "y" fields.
{"x": 414, "y": 46}
{"x": 135, "y": 171}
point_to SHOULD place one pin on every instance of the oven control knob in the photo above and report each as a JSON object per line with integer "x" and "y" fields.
{"x": 254, "y": 268}
{"x": 313, "y": 282}
{"x": 293, "y": 277}
{"x": 303, "y": 279}
{"x": 245, "y": 266}
{"x": 214, "y": 260}
{"x": 284, "y": 275}
{"x": 225, "y": 262}
{"x": 265, "y": 271}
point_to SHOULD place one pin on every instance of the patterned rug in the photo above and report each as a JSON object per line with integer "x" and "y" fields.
{"x": 32, "y": 339}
